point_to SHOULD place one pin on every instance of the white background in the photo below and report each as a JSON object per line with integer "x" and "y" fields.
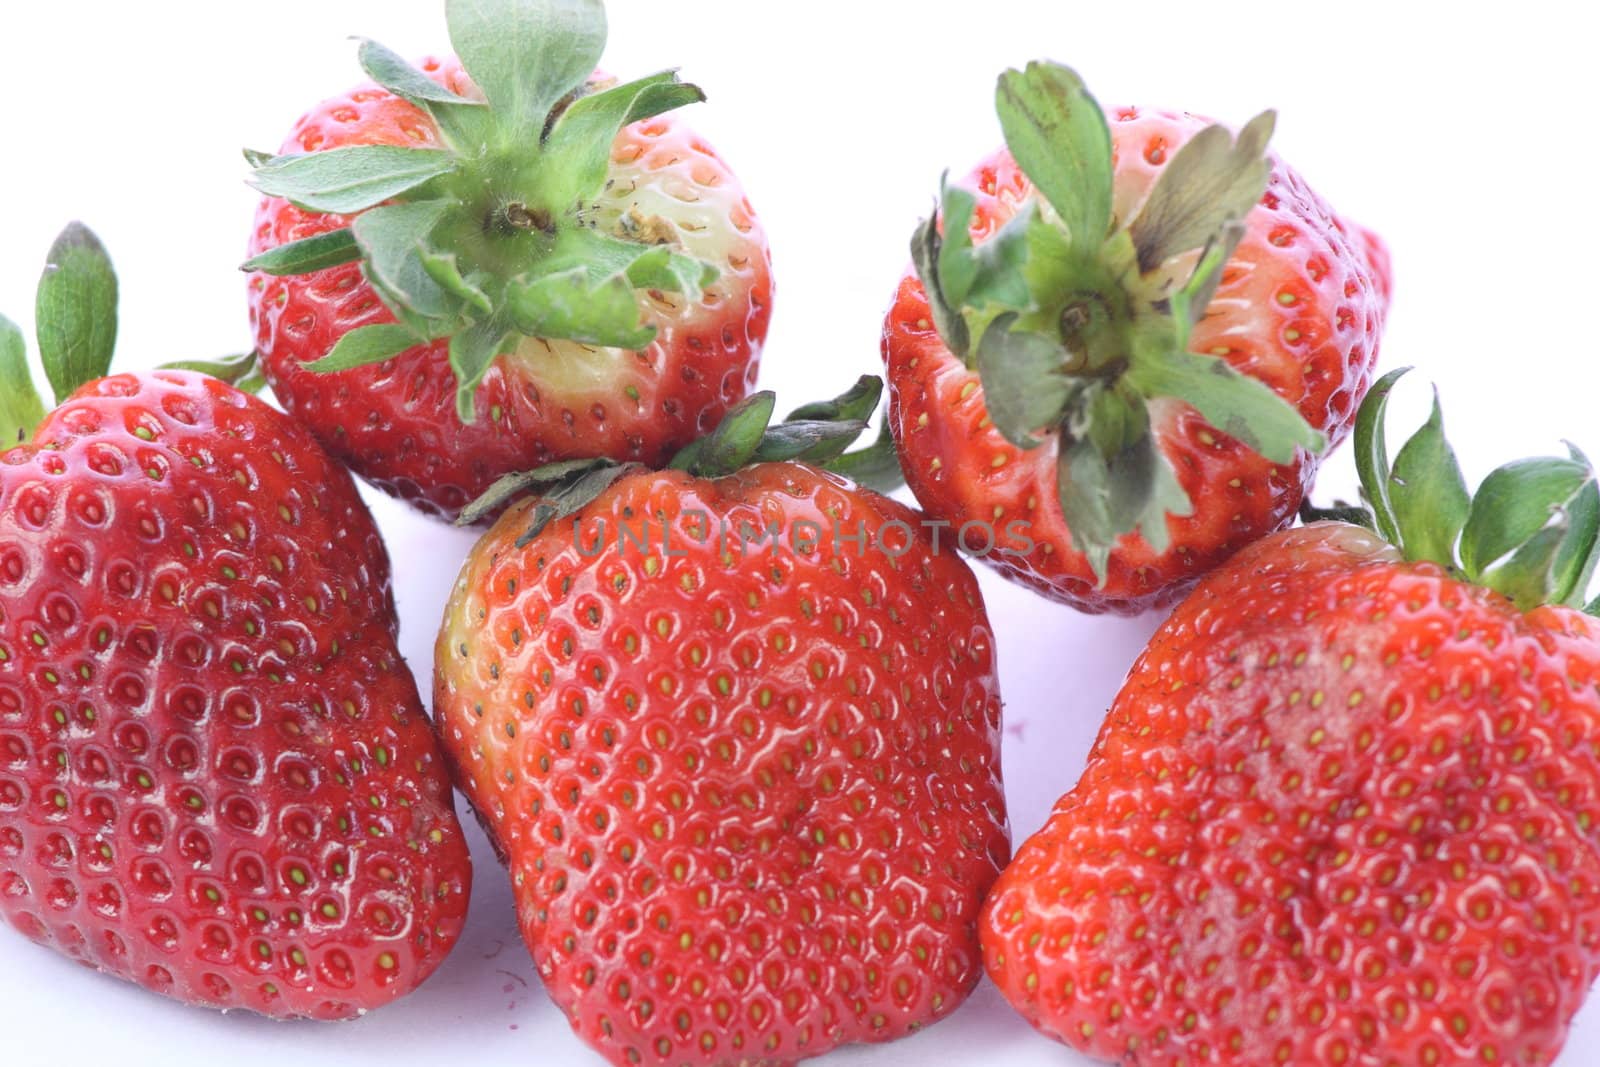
{"x": 1466, "y": 138}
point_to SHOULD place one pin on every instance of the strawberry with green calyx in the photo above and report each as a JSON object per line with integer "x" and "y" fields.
{"x": 1344, "y": 809}
{"x": 470, "y": 269}
{"x": 746, "y": 778}
{"x": 216, "y": 777}
{"x": 1135, "y": 332}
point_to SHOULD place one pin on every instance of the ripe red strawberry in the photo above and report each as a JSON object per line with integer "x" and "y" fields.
{"x": 216, "y": 777}
{"x": 1344, "y": 809}
{"x": 566, "y": 271}
{"x": 1106, "y": 275}
{"x": 749, "y": 795}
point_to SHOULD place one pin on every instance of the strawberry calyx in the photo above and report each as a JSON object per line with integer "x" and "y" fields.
{"x": 75, "y": 310}
{"x": 75, "y": 313}
{"x": 1075, "y": 319}
{"x": 820, "y": 434}
{"x": 495, "y": 236}
{"x": 1531, "y": 531}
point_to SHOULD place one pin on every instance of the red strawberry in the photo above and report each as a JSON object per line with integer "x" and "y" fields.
{"x": 1056, "y": 381}
{"x": 749, "y": 795}
{"x": 1344, "y": 809}
{"x": 216, "y": 778}
{"x": 567, "y": 271}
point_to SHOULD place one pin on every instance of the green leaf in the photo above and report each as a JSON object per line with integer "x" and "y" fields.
{"x": 855, "y": 404}
{"x": 242, "y": 371}
{"x": 473, "y": 351}
{"x": 927, "y": 249}
{"x": 645, "y": 266}
{"x": 968, "y": 285}
{"x": 331, "y": 249}
{"x": 877, "y": 466}
{"x": 76, "y": 311}
{"x": 463, "y": 122}
{"x": 810, "y": 441}
{"x": 350, "y": 179}
{"x": 21, "y": 410}
{"x": 578, "y": 150}
{"x": 1428, "y": 495}
{"x": 1104, "y": 498}
{"x": 510, "y": 486}
{"x": 661, "y": 268}
{"x": 526, "y": 55}
{"x": 1372, "y": 454}
{"x": 571, "y": 496}
{"x": 1532, "y": 529}
{"x": 733, "y": 443}
{"x": 1189, "y": 303}
{"x": 257, "y": 158}
{"x": 1058, "y": 136}
{"x": 1212, "y": 180}
{"x": 1114, "y": 416}
{"x": 1023, "y": 387}
{"x": 365, "y": 345}
{"x": 1240, "y": 406}
{"x": 572, "y": 305}
{"x": 394, "y": 238}
{"x": 445, "y": 269}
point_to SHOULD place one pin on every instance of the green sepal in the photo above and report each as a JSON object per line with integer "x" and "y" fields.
{"x": 670, "y": 272}
{"x": 1213, "y": 179}
{"x": 393, "y": 239}
{"x": 571, "y": 496}
{"x": 818, "y": 442}
{"x": 1427, "y": 493}
{"x": 242, "y": 371}
{"x": 744, "y": 436}
{"x": 307, "y": 255}
{"x": 580, "y": 142}
{"x": 473, "y": 351}
{"x": 877, "y": 466}
{"x": 365, "y": 345}
{"x": 21, "y": 410}
{"x": 969, "y": 285}
{"x": 353, "y": 178}
{"x": 257, "y": 158}
{"x": 1023, "y": 388}
{"x": 445, "y": 269}
{"x": 733, "y": 443}
{"x": 855, "y": 404}
{"x": 646, "y": 266}
{"x": 1102, "y": 498}
{"x": 76, "y": 311}
{"x": 1532, "y": 529}
{"x": 572, "y": 304}
{"x": 1058, "y": 136}
{"x": 463, "y": 123}
{"x": 510, "y": 486}
{"x": 526, "y": 55}
{"x": 1242, "y": 407}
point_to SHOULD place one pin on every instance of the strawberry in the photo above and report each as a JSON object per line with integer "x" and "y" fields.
{"x": 1344, "y": 808}
{"x": 1091, "y": 309}
{"x": 747, "y": 780}
{"x": 483, "y": 265}
{"x": 216, "y": 777}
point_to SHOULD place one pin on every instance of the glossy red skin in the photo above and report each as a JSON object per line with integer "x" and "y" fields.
{"x": 184, "y": 672}
{"x": 583, "y": 719}
{"x": 1332, "y": 780}
{"x": 962, "y": 470}
{"x": 395, "y": 423}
